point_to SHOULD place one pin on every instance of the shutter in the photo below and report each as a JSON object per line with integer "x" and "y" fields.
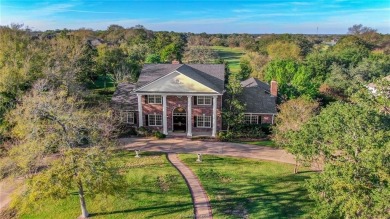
{"x": 195, "y": 100}
{"x": 146, "y": 120}
{"x": 195, "y": 121}
{"x": 146, "y": 99}
{"x": 135, "y": 117}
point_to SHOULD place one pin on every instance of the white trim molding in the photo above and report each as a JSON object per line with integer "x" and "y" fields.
{"x": 140, "y": 116}
{"x": 214, "y": 132}
{"x": 164, "y": 116}
{"x": 189, "y": 116}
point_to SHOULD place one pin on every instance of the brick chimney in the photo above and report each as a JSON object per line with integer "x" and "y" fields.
{"x": 274, "y": 88}
{"x": 175, "y": 62}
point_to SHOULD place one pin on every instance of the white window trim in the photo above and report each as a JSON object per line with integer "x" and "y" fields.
{"x": 153, "y": 97}
{"x": 126, "y": 119}
{"x": 203, "y": 121}
{"x": 155, "y": 119}
{"x": 204, "y": 100}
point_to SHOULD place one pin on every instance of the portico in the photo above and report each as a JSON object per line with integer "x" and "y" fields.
{"x": 180, "y": 113}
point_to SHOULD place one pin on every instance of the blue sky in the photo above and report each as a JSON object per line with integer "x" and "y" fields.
{"x": 269, "y": 16}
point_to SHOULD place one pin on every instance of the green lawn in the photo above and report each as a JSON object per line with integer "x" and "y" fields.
{"x": 98, "y": 93}
{"x": 99, "y": 82}
{"x": 145, "y": 197}
{"x": 231, "y": 55}
{"x": 257, "y": 189}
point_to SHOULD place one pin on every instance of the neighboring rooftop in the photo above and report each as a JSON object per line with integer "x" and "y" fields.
{"x": 256, "y": 95}
{"x": 123, "y": 98}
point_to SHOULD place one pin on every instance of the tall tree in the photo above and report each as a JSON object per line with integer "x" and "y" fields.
{"x": 292, "y": 115}
{"x": 253, "y": 64}
{"x": 199, "y": 55}
{"x": 109, "y": 59}
{"x": 284, "y": 50}
{"x": 21, "y": 63}
{"x": 359, "y": 29}
{"x": 234, "y": 109}
{"x": 354, "y": 144}
{"x": 70, "y": 63}
{"x": 50, "y": 121}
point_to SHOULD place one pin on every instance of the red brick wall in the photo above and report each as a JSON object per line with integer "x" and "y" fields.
{"x": 181, "y": 101}
{"x": 148, "y": 108}
{"x": 266, "y": 119}
{"x": 208, "y": 111}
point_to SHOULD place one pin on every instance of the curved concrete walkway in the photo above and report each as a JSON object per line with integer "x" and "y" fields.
{"x": 184, "y": 145}
{"x": 202, "y": 207}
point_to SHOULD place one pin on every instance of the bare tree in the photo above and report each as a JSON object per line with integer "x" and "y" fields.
{"x": 359, "y": 29}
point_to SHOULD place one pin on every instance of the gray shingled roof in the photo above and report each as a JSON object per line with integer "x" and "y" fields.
{"x": 211, "y": 75}
{"x": 123, "y": 98}
{"x": 256, "y": 95}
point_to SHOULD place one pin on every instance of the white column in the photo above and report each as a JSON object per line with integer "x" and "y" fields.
{"x": 189, "y": 116}
{"x": 213, "y": 134}
{"x": 165, "y": 128}
{"x": 140, "y": 117}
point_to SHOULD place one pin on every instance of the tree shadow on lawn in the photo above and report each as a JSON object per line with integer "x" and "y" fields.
{"x": 268, "y": 196}
{"x": 163, "y": 210}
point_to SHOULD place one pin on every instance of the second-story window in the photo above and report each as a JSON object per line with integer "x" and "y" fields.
{"x": 203, "y": 100}
{"x": 154, "y": 99}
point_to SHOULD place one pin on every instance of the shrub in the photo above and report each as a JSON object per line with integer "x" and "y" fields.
{"x": 225, "y": 136}
{"x": 159, "y": 135}
{"x": 144, "y": 131}
{"x": 126, "y": 130}
{"x": 266, "y": 129}
{"x": 248, "y": 131}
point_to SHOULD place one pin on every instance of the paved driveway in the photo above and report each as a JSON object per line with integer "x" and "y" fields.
{"x": 184, "y": 145}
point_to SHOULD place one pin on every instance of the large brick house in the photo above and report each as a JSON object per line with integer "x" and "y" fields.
{"x": 188, "y": 98}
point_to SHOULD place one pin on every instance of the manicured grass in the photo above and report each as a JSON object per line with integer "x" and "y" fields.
{"x": 231, "y": 55}
{"x": 267, "y": 143}
{"x": 241, "y": 188}
{"x": 98, "y": 93}
{"x": 145, "y": 197}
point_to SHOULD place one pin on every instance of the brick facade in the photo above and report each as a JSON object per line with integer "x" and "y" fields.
{"x": 266, "y": 119}
{"x": 182, "y": 101}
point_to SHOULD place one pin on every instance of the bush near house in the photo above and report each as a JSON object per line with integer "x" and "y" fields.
{"x": 244, "y": 131}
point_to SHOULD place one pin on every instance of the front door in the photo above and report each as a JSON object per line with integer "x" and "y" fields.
{"x": 179, "y": 120}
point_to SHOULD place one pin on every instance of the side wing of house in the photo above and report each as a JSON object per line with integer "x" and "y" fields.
{"x": 260, "y": 99}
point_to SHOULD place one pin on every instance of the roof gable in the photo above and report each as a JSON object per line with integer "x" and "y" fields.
{"x": 210, "y": 75}
{"x": 178, "y": 82}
